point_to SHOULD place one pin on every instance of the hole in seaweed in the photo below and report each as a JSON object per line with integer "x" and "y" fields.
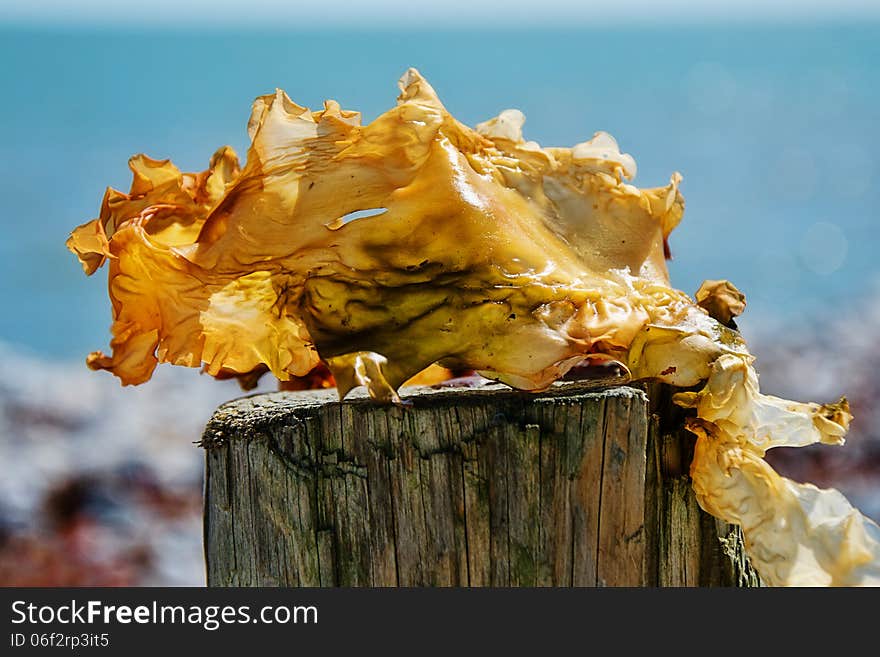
{"x": 352, "y": 216}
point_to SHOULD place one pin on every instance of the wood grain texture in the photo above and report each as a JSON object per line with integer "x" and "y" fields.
{"x": 461, "y": 487}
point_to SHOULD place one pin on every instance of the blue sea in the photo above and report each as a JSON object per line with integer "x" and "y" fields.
{"x": 775, "y": 128}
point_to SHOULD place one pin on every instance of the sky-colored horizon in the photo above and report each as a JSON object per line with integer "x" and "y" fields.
{"x": 466, "y": 14}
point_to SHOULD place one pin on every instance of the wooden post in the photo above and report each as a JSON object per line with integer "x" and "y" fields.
{"x": 463, "y": 487}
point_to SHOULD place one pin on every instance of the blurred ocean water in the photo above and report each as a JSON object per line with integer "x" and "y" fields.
{"x": 776, "y": 130}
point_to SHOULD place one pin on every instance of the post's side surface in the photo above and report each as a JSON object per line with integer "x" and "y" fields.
{"x": 482, "y": 487}
{"x": 688, "y": 546}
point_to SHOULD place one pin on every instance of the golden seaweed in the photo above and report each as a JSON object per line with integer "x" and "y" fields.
{"x": 379, "y": 250}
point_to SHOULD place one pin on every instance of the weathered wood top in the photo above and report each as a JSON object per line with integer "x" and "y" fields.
{"x": 242, "y": 417}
